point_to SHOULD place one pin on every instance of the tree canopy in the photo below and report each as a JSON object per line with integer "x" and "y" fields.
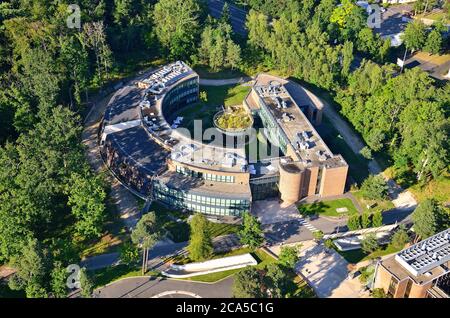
{"x": 250, "y": 233}
{"x": 429, "y": 219}
{"x": 200, "y": 243}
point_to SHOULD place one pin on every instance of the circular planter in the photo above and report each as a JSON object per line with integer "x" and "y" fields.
{"x": 235, "y": 132}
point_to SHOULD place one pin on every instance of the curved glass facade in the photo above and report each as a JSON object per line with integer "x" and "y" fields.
{"x": 181, "y": 95}
{"x": 203, "y": 203}
{"x": 206, "y": 176}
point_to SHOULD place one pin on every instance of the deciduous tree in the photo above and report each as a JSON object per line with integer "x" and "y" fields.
{"x": 200, "y": 243}
{"x": 250, "y": 233}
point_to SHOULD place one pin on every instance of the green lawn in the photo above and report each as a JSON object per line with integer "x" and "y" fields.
{"x": 213, "y": 277}
{"x": 298, "y": 288}
{"x": 228, "y": 95}
{"x": 380, "y": 204}
{"x": 219, "y": 229}
{"x": 104, "y": 276}
{"x": 327, "y": 208}
{"x": 356, "y": 256}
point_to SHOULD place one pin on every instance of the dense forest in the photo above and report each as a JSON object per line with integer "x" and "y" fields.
{"x": 50, "y": 201}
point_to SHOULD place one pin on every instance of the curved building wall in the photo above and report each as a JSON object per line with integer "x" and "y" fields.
{"x": 215, "y": 204}
{"x": 182, "y": 94}
{"x": 209, "y": 174}
{"x": 291, "y": 178}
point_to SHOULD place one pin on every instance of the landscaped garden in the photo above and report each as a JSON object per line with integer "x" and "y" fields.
{"x": 233, "y": 118}
{"x": 356, "y": 256}
{"x": 261, "y": 257}
{"x": 328, "y": 208}
{"x": 212, "y": 98}
{"x": 369, "y": 204}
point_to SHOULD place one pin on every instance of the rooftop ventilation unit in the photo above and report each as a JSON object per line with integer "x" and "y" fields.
{"x": 426, "y": 255}
{"x": 304, "y": 145}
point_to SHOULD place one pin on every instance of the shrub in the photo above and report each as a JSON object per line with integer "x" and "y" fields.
{"x": 399, "y": 239}
{"x": 366, "y": 153}
{"x": 374, "y": 188}
{"x": 129, "y": 254}
{"x": 354, "y": 222}
{"x": 289, "y": 256}
{"x": 328, "y": 244}
{"x": 377, "y": 218}
{"x": 366, "y": 222}
{"x": 318, "y": 235}
{"x": 379, "y": 293}
{"x": 369, "y": 243}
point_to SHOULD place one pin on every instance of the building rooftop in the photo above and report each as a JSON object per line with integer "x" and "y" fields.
{"x": 198, "y": 185}
{"x": 137, "y": 147}
{"x": 423, "y": 262}
{"x": 209, "y": 157}
{"x": 402, "y": 273}
{"x": 287, "y": 112}
{"x": 427, "y": 254}
{"x": 160, "y": 81}
{"x": 123, "y": 107}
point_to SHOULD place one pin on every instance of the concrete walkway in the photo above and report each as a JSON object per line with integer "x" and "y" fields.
{"x": 327, "y": 272}
{"x": 223, "y": 82}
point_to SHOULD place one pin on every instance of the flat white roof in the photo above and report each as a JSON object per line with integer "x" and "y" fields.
{"x": 427, "y": 254}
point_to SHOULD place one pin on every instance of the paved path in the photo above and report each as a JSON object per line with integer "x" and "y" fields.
{"x": 327, "y": 273}
{"x": 401, "y": 199}
{"x": 161, "y": 255}
{"x": 147, "y": 287}
{"x": 223, "y": 82}
{"x": 124, "y": 201}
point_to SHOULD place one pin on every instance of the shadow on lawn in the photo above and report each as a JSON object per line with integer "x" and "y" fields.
{"x": 313, "y": 209}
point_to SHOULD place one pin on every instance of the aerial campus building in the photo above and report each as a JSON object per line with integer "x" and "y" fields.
{"x": 142, "y": 143}
{"x": 419, "y": 271}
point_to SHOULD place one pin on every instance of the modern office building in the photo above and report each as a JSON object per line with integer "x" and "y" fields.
{"x": 419, "y": 271}
{"x": 142, "y": 144}
{"x": 287, "y": 111}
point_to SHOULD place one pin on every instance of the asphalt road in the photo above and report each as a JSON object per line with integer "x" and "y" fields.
{"x": 237, "y": 15}
{"x": 147, "y": 287}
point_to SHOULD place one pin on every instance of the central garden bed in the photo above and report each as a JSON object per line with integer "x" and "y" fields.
{"x": 212, "y": 100}
{"x": 233, "y": 120}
